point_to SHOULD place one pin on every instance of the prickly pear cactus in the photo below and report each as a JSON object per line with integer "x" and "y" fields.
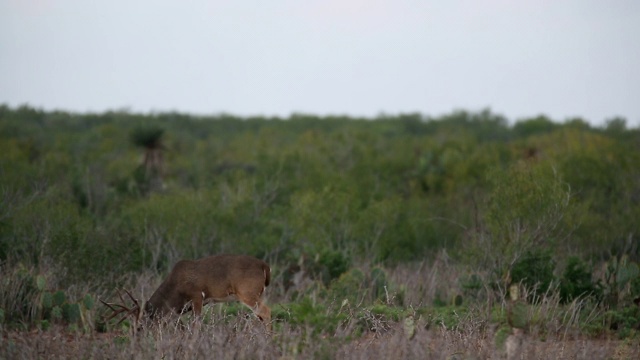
{"x": 41, "y": 282}
{"x": 627, "y": 271}
{"x": 71, "y": 312}
{"x": 518, "y": 309}
{"x": 518, "y": 316}
{"x": 47, "y": 301}
{"x": 59, "y": 298}
{"x": 409, "y": 326}
{"x": 88, "y": 302}
{"x": 620, "y": 276}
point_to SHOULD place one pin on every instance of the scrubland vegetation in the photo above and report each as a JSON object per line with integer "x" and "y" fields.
{"x": 460, "y": 237}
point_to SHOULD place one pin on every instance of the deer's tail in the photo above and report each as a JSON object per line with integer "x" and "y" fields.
{"x": 267, "y": 274}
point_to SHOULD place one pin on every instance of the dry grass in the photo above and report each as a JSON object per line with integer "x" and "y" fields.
{"x": 242, "y": 338}
{"x": 553, "y": 331}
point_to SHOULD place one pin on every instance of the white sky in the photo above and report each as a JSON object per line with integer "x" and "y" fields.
{"x": 521, "y": 58}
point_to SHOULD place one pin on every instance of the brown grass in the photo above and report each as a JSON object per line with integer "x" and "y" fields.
{"x": 243, "y": 338}
{"x": 553, "y": 331}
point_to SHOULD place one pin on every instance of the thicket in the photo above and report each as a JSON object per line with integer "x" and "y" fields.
{"x": 551, "y": 206}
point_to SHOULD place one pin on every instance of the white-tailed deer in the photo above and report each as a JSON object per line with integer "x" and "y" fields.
{"x": 195, "y": 283}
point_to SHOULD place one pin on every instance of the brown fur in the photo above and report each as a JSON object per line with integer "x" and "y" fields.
{"x": 220, "y": 278}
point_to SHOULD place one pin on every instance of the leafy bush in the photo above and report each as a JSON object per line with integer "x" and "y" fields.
{"x": 534, "y": 270}
{"x": 307, "y": 312}
{"x": 147, "y": 136}
{"x": 349, "y": 287}
{"x": 347, "y": 192}
{"x": 625, "y": 321}
{"x": 528, "y": 208}
{"x": 577, "y": 281}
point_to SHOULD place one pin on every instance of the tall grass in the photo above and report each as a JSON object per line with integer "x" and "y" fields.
{"x": 420, "y": 317}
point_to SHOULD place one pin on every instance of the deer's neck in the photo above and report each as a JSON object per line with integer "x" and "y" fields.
{"x": 159, "y": 301}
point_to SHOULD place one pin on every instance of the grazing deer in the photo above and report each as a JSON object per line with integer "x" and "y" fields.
{"x": 195, "y": 283}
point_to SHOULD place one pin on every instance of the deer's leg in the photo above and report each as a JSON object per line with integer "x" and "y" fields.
{"x": 197, "y": 302}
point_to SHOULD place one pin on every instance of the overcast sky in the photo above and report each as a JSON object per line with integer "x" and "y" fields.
{"x": 520, "y": 58}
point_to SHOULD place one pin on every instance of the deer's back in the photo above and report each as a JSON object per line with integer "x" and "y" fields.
{"x": 221, "y": 270}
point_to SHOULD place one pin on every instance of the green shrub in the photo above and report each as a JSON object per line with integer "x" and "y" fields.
{"x": 328, "y": 265}
{"x": 624, "y": 321}
{"x": 528, "y": 208}
{"x": 393, "y": 313}
{"x": 577, "y": 281}
{"x": 307, "y": 312}
{"x": 534, "y": 270}
{"x": 350, "y": 286}
{"x": 147, "y": 136}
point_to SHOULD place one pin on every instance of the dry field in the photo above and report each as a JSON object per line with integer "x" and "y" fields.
{"x": 243, "y": 338}
{"x": 478, "y": 329}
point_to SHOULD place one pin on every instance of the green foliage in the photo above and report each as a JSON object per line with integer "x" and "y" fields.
{"x": 377, "y": 318}
{"x": 332, "y": 264}
{"x": 472, "y": 285}
{"x": 147, "y": 136}
{"x": 18, "y": 294}
{"x": 409, "y": 326}
{"x": 625, "y": 321}
{"x": 535, "y": 126}
{"x": 59, "y": 298}
{"x": 528, "y": 210}
{"x": 620, "y": 280}
{"x": 41, "y": 282}
{"x": 534, "y": 270}
{"x": 307, "y": 312}
{"x": 56, "y": 307}
{"x": 47, "y": 301}
{"x": 448, "y": 317}
{"x": 24, "y": 293}
{"x": 88, "y": 302}
{"x": 71, "y": 312}
{"x": 348, "y": 287}
{"x": 344, "y": 191}
{"x": 371, "y": 189}
{"x": 379, "y": 283}
{"x": 501, "y": 335}
{"x": 56, "y": 313}
{"x": 577, "y": 281}
{"x": 518, "y": 315}
{"x": 327, "y": 265}
{"x": 391, "y": 312}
